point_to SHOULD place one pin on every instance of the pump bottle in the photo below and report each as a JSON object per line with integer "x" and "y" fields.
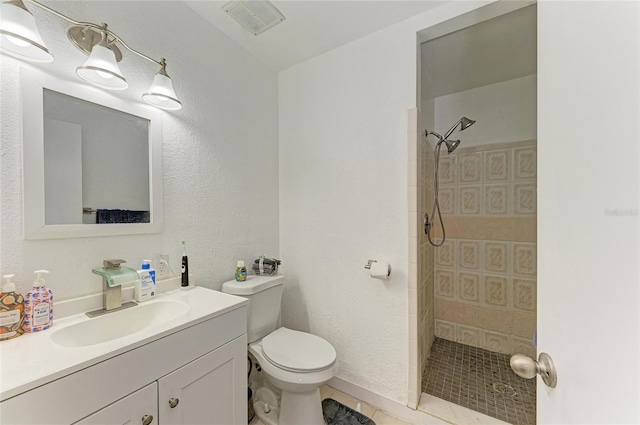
{"x": 11, "y": 310}
{"x": 38, "y": 304}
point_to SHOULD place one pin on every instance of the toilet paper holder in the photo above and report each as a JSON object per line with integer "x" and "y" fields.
{"x": 368, "y": 265}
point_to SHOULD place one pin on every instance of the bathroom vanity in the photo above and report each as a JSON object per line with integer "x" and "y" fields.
{"x": 185, "y": 363}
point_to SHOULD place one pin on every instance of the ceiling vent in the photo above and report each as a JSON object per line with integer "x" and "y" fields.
{"x": 256, "y": 16}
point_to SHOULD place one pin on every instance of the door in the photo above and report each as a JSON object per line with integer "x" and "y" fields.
{"x": 139, "y": 408}
{"x": 588, "y": 165}
{"x": 210, "y": 390}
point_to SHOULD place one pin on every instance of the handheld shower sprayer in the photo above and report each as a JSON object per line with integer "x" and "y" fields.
{"x": 464, "y": 123}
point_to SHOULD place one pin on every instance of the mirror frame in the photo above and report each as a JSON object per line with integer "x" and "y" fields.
{"x": 33, "y": 84}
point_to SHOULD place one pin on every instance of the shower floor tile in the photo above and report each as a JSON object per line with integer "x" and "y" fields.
{"x": 479, "y": 380}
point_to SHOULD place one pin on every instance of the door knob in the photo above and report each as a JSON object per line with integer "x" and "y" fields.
{"x": 173, "y": 402}
{"x": 147, "y": 419}
{"x": 528, "y": 368}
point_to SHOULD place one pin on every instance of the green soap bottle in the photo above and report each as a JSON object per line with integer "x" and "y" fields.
{"x": 241, "y": 271}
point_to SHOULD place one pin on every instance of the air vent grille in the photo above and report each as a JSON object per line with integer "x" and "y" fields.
{"x": 256, "y": 16}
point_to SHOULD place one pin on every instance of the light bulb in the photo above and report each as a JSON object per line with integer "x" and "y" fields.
{"x": 17, "y": 41}
{"x": 104, "y": 75}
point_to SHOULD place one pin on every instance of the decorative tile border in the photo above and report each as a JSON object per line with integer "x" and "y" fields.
{"x": 489, "y": 340}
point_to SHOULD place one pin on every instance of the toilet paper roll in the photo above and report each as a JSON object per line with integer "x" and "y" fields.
{"x": 380, "y": 270}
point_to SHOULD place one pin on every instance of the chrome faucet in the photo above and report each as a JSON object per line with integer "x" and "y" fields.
{"x": 113, "y": 275}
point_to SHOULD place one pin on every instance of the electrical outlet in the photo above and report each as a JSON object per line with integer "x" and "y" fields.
{"x": 162, "y": 267}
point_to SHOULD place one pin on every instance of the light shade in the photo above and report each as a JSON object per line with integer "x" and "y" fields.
{"x": 161, "y": 93}
{"x": 19, "y": 35}
{"x": 101, "y": 69}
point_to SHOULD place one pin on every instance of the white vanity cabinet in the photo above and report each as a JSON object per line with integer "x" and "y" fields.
{"x": 204, "y": 391}
{"x": 140, "y": 407}
{"x": 202, "y": 367}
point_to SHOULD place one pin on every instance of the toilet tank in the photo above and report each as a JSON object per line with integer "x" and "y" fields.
{"x": 265, "y": 295}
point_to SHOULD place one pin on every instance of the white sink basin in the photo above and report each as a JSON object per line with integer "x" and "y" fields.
{"x": 121, "y": 323}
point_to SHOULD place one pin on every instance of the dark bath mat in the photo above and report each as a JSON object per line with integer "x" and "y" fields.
{"x": 338, "y": 414}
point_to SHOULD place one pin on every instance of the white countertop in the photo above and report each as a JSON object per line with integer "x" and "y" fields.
{"x": 33, "y": 359}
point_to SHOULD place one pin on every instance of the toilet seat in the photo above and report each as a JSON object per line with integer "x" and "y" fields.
{"x": 298, "y": 351}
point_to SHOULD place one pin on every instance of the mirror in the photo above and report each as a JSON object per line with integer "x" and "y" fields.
{"x": 92, "y": 162}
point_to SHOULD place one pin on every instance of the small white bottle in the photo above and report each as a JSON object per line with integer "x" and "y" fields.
{"x": 146, "y": 285}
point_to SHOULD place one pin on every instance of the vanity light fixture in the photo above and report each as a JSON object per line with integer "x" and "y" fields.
{"x": 19, "y": 37}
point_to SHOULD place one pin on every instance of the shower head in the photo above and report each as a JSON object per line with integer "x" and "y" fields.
{"x": 451, "y": 145}
{"x": 466, "y": 123}
{"x": 463, "y": 122}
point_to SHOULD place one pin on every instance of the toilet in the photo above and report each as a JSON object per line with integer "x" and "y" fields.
{"x": 297, "y": 363}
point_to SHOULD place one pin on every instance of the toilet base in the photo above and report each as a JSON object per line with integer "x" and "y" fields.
{"x": 301, "y": 408}
{"x": 295, "y": 409}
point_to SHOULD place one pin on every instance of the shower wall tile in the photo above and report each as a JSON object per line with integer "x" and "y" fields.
{"x": 445, "y": 283}
{"x": 496, "y": 199}
{"x": 524, "y": 259}
{"x": 524, "y": 294}
{"x": 524, "y": 198}
{"x": 469, "y": 287}
{"x": 492, "y": 228}
{"x": 524, "y": 163}
{"x": 523, "y": 346}
{"x": 470, "y": 168}
{"x": 469, "y": 335}
{"x": 469, "y": 255}
{"x": 447, "y": 200}
{"x": 469, "y": 200}
{"x": 498, "y": 342}
{"x": 496, "y": 257}
{"x": 496, "y": 165}
{"x": 444, "y": 254}
{"x": 496, "y": 290}
{"x": 446, "y": 330}
{"x": 447, "y": 170}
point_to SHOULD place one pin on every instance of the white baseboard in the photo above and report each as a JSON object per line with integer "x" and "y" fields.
{"x": 390, "y": 406}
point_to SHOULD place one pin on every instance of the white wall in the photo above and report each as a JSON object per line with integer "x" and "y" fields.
{"x": 220, "y": 156}
{"x": 62, "y": 173}
{"x": 343, "y": 198}
{"x": 504, "y": 112}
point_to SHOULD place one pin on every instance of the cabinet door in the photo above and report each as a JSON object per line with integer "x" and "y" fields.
{"x": 139, "y": 408}
{"x": 210, "y": 390}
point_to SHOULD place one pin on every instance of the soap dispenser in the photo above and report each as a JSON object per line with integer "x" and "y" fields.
{"x": 38, "y": 304}
{"x": 11, "y": 310}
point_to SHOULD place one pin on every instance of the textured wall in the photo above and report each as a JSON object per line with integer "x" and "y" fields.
{"x": 344, "y": 199}
{"x": 219, "y": 152}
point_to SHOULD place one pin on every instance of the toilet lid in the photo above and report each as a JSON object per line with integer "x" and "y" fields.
{"x": 298, "y": 351}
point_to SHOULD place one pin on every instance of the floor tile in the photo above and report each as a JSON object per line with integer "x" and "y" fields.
{"x": 383, "y": 418}
{"x": 480, "y": 380}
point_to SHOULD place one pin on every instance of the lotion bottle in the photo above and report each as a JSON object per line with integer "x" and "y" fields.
{"x": 146, "y": 285}
{"x": 11, "y": 310}
{"x": 38, "y": 304}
